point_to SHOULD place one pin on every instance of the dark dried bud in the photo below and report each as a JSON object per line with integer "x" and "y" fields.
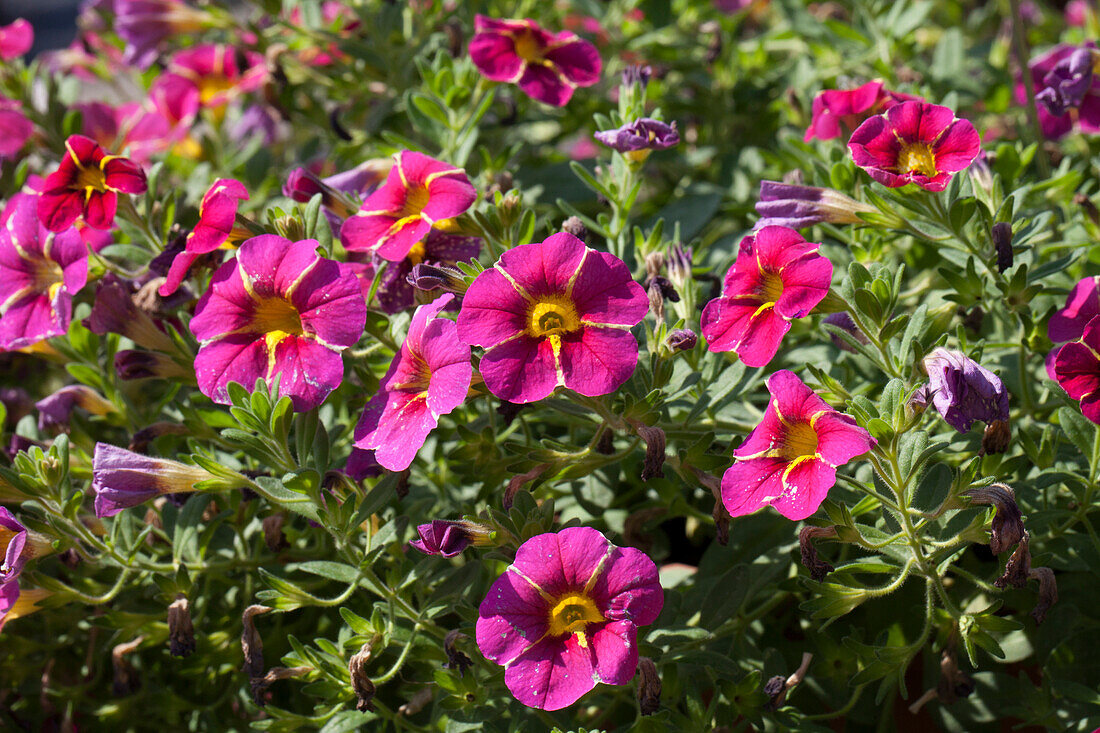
{"x": 1007, "y": 527}
{"x": 682, "y": 339}
{"x": 360, "y": 683}
{"x": 1018, "y": 567}
{"x": 654, "y": 449}
{"x": 1002, "y": 244}
{"x": 776, "y": 690}
{"x": 437, "y": 277}
{"x": 273, "y": 532}
{"x": 402, "y": 486}
{"x": 973, "y": 319}
{"x": 517, "y": 482}
{"x": 125, "y": 679}
{"x": 721, "y": 522}
{"x": 456, "y": 41}
{"x": 509, "y": 410}
{"x": 181, "y": 634}
{"x": 1090, "y": 208}
{"x": 606, "y": 444}
{"x": 1048, "y": 593}
{"x": 456, "y": 659}
{"x": 649, "y": 686}
{"x": 996, "y": 437}
{"x": 818, "y": 568}
{"x": 573, "y": 225}
{"x": 138, "y": 364}
{"x": 654, "y": 265}
{"x": 251, "y": 643}
{"x": 142, "y": 438}
{"x": 259, "y": 685}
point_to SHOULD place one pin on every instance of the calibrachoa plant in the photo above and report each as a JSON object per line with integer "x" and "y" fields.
{"x": 565, "y": 366}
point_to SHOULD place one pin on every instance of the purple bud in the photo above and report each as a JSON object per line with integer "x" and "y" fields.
{"x": 965, "y": 391}
{"x": 682, "y": 339}
{"x": 54, "y": 411}
{"x": 843, "y": 320}
{"x": 636, "y": 74}
{"x": 437, "y": 277}
{"x": 678, "y": 265}
{"x": 137, "y": 364}
{"x": 115, "y": 312}
{"x": 448, "y": 538}
{"x": 122, "y": 478}
{"x": 1001, "y": 234}
{"x": 788, "y": 205}
{"x": 1068, "y": 82}
{"x": 643, "y": 134}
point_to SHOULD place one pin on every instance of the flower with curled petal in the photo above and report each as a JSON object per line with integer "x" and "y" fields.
{"x": 86, "y": 185}
{"x": 840, "y": 111}
{"x": 217, "y": 227}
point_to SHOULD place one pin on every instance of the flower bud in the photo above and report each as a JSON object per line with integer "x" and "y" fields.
{"x": 137, "y": 364}
{"x": 573, "y": 225}
{"x": 54, "y": 411}
{"x": 654, "y": 265}
{"x": 361, "y": 683}
{"x": 449, "y": 538}
{"x": 1007, "y": 527}
{"x": 302, "y": 185}
{"x": 818, "y": 568}
{"x": 636, "y": 75}
{"x": 455, "y": 658}
{"x": 682, "y": 339}
{"x": 678, "y": 264}
{"x": 114, "y": 311}
{"x": 259, "y": 685}
{"x": 181, "y": 633}
{"x": 797, "y": 207}
{"x": 996, "y": 437}
{"x": 649, "y": 686}
{"x": 843, "y": 320}
{"x": 1002, "y": 244}
{"x": 437, "y": 277}
{"x": 123, "y": 479}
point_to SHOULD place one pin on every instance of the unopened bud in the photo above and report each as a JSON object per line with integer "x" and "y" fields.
{"x": 1002, "y": 244}
{"x": 456, "y": 659}
{"x": 996, "y": 437}
{"x": 843, "y": 320}
{"x": 273, "y": 532}
{"x": 654, "y": 265}
{"x": 181, "y": 633}
{"x": 1007, "y": 527}
{"x": 1090, "y": 208}
{"x": 360, "y": 683}
{"x": 437, "y": 277}
{"x": 649, "y": 686}
{"x": 682, "y": 339}
{"x": 818, "y": 568}
{"x": 573, "y": 225}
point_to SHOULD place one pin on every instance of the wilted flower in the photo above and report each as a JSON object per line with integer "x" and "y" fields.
{"x": 55, "y": 410}
{"x": 40, "y": 272}
{"x": 207, "y": 76}
{"x": 432, "y": 277}
{"x": 682, "y": 339}
{"x": 17, "y": 545}
{"x": 915, "y": 142}
{"x": 360, "y": 680}
{"x": 1001, "y": 234}
{"x": 395, "y": 293}
{"x": 144, "y": 24}
{"x": 449, "y": 538}
{"x": 778, "y": 276}
{"x": 1077, "y": 369}
{"x": 217, "y": 227}
{"x": 565, "y": 615}
{"x": 788, "y": 205}
{"x": 429, "y": 377}
{"x": 638, "y": 138}
{"x": 86, "y": 184}
{"x": 181, "y": 632}
{"x": 963, "y": 390}
{"x": 16, "y": 602}
{"x": 280, "y": 309}
{"x": 16, "y": 39}
{"x": 1067, "y": 83}
{"x": 818, "y": 568}
{"x": 1007, "y": 527}
{"x": 114, "y": 311}
{"x": 122, "y": 478}
{"x": 546, "y": 66}
{"x": 789, "y": 460}
{"x": 649, "y": 687}
{"x": 840, "y": 111}
{"x": 419, "y": 193}
{"x": 550, "y": 314}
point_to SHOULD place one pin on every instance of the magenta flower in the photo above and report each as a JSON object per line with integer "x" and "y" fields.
{"x": 838, "y": 112}
{"x": 1060, "y": 70}
{"x": 565, "y": 615}
{"x": 207, "y": 76}
{"x": 546, "y": 66}
{"x": 302, "y": 184}
{"x": 419, "y": 192}
{"x": 554, "y": 314}
{"x": 789, "y": 460}
{"x": 17, "y": 545}
{"x": 449, "y": 538}
{"x": 123, "y": 479}
{"x": 15, "y": 128}
{"x": 144, "y": 24}
{"x": 277, "y": 309}
{"x": 15, "y": 603}
{"x": 217, "y": 227}
{"x": 16, "y": 39}
{"x": 395, "y": 293}
{"x": 915, "y": 142}
{"x": 778, "y": 276}
{"x": 86, "y": 185}
{"x": 429, "y": 377}
{"x": 1068, "y": 323}
{"x": 1077, "y": 369}
{"x": 40, "y": 272}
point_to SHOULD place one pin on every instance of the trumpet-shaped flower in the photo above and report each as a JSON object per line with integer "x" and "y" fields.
{"x": 565, "y": 616}
{"x": 553, "y": 314}
{"x": 40, "y": 272}
{"x": 915, "y": 142}
{"x": 546, "y": 66}
{"x": 144, "y": 24}
{"x": 789, "y": 460}
{"x": 419, "y": 192}
{"x": 277, "y": 309}
{"x": 428, "y": 377}
{"x": 86, "y": 184}
{"x": 449, "y": 538}
{"x": 17, "y": 545}
{"x": 1077, "y": 369}
{"x": 790, "y": 205}
{"x": 840, "y": 111}
{"x": 217, "y": 227}
{"x": 123, "y": 479}
{"x": 778, "y": 276}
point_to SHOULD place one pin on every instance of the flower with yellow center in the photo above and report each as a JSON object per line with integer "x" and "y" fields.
{"x": 552, "y": 316}
{"x": 527, "y": 46}
{"x": 917, "y": 158}
{"x": 572, "y": 614}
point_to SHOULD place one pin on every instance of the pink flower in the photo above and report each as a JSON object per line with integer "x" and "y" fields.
{"x": 915, "y": 142}
{"x": 565, "y": 615}
{"x": 15, "y": 39}
{"x": 778, "y": 276}
{"x": 278, "y": 309}
{"x": 1068, "y": 323}
{"x": 546, "y": 66}
{"x": 86, "y": 184}
{"x": 144, "y": 24}
{"x": 15, "y": 128}
{"x": 1087, "y": 109}
{"x": 40, "y": 272}
{"x": 789, "y": 460}
{"x": 205, "y": 77}
{"x": 1077, "y": 369}
{"x": 144, "y": 132}
{"x": 217, "y": 226}
{"x": 395, "y": 293}
{"x": 836, "y": 111}
{"x": 419, "y": 192}
{"x": 429, "y": 377}
{"x": 553, "y": 314}
{"x": 1077, "y": 13}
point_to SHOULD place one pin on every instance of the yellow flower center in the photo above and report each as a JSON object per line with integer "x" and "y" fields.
{"x": 91, "y": 178}
{"x": 800, "y": 442}
{"x": 48, "y": 277}
{"x": 6, "y": 536}
{"x": 554, "y": 315}
{"x": 572, "y": 613}
{"x": 917, "y": 158}
{"x": 771, "y": 287}
{"x": 211, "y": 86}
{"x": 277, "y": 318}
{"x": 416, "y": 198}
{"x": 527, "y": 46}
{"x": 417, "y": 253}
